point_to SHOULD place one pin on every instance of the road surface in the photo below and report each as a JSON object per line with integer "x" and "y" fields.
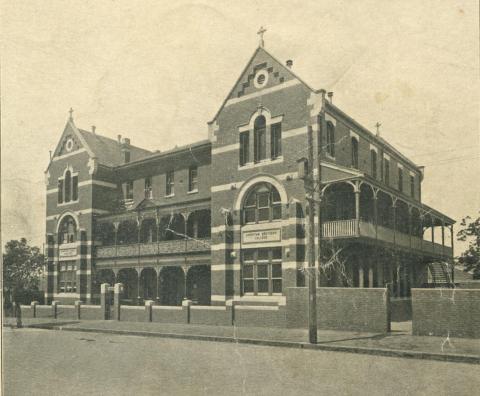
{"x": 45, "y": 362}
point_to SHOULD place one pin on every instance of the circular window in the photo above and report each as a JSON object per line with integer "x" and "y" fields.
{"x": 69, "y": 145}
{"x": 261, "y": 79}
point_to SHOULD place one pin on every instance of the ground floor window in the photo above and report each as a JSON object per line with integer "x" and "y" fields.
{"x": 67, "y": 277}
{"x": 262, "y": 271}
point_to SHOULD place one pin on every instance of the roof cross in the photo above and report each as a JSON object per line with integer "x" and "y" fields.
{"x": 71, "y": 114}
{"x": 261, "y": 32}
{"x": 378, "y": 125}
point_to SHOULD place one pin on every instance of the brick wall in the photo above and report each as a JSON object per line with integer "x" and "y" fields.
{"x": 91, "y": 312}
{"x": 133, "y": 314}
{"x": 206, "y": 315}
{"x": 442, "y": 312}
{"x": 341, "y": 308}
{"x": 164, "y": 314}
{"x": 67, "y": 312}
{"x": 260, "y": 316}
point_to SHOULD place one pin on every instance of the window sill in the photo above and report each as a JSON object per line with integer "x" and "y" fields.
{"x": 67, "y": 203}
{"x": 169, "y": 196}
{"x": 193, "y": 191}
{"x": 250, "y": 165}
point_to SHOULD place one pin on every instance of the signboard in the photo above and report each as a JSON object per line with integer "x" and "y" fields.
{"x": 273, "y": 235}
{"x": 70, "y": 252}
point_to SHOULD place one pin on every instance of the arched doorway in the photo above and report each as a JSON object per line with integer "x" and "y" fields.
{"x": 172, "y": 286}
{"x": 148, "y": 284}
{"x": 199, "y": 284}
{"x": 129, "y": 278}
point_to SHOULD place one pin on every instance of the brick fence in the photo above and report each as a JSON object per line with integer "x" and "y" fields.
{"x": 337, "y": 309}
{"x": 443, "y": 312}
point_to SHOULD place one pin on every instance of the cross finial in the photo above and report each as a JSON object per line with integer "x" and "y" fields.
{"x": 71, "y": 114}
{"x": 261, "y": 32}
{"x": 378, "y": 125}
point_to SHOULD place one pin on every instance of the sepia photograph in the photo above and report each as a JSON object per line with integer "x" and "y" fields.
{"x": 249, "y": 197}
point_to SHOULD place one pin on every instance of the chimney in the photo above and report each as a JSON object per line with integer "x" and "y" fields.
{"x": 93, "y": 129}
{"x": 119, "y": 138}
{"x": 330, "y": 96}
{"x": 289, "y": 63}
{"x": 126, "y": 141}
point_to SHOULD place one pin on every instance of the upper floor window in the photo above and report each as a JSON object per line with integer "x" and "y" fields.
{"x": 148, "y": 188}
{"x": 354, "y": 152}
{"x": 260, "y": 139}
{"x": 386, "y": 173}
{"x": 412, "y": 185}
{"x": 170, "y": 183}
{"x": 262, "y": 204}
{"x": 126, "y": 156}
{"x": 67, "y": 230}
{"x": 68, "y": 188}
{"x": 244, "y": 146}
{"x": 330, "y": 139}
{"x": 400, "y": 179}
{"x": 129, "y": 189}
{"x": 373, "y": 155}
{"x": 276, "y": 140}
{"x": 193, "y": 179}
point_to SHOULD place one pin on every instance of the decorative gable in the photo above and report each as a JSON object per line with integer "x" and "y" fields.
{"x": 69, "y": 144}
{"x": 263, "y": 71}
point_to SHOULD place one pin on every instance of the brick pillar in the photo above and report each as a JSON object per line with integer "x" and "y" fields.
{"x": 117, "y": 293}
{"x": 84, "y": 270}
{"x": 148, "y": 310}
{"x": 186, "y": 304}
{"x": 33, "y": 306}
{"x": 51, "y": 270}
{"x": 103, "y": 300}
{"x": 54, "y": 309}
{"x": 78, "y": 305}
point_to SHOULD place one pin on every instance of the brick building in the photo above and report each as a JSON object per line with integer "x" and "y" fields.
{"x": 224, "y": 218}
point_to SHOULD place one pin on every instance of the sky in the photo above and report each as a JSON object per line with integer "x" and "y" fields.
{"x": 157, "y": 72}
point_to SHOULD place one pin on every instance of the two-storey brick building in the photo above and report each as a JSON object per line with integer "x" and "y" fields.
{"x": 224, "y": 218}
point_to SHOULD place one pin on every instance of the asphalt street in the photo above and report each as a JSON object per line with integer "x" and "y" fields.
{"x": 45, "y": 362}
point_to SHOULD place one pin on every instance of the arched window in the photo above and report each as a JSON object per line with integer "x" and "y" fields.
{"x": 67, "y": 230}
{"x": 260, "y": 139}
{"x": 330, "y": 139}
{"x": 68, "y": 187}
{"x": 355, "y": 152}
{"x": 373, "y": 155}
{"x": 262, "y": 204}
{"x": 68, "y": 183}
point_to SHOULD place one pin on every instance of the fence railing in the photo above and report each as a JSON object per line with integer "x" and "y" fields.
{"x": 154, "y": 248}
{"x": 348, "y": 228}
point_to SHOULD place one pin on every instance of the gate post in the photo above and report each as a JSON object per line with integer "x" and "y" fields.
{"x": 33, "y": 306}
{"x": 103, "y": 300}
{"x": 186, "y": 309}
{"x": 117, "y": 291}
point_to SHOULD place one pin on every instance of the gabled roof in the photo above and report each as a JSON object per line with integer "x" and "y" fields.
{"x": 108, "y": 151}
{"x": 254, "y": 55}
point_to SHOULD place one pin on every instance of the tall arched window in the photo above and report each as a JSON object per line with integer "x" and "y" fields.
{"x": 373, "y": 155}
{"x": 262, "y": 204}
{"x": 260, "y": 139}
{"x": 67, "y": 183}
{"x": 330, "y": 139}
{"x": 355, "y": 152}
{"x": 67, "y": 230}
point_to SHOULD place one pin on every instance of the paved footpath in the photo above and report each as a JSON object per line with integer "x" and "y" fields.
{"x": 399, "y": 342}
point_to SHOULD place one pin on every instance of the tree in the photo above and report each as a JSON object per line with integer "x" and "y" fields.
{"x": 470, "y": 258}
{"x": 22, "y": 266}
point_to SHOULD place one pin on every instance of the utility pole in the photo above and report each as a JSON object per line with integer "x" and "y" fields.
{"x": 321, "y": 129}
{"x": 311, "y": 270}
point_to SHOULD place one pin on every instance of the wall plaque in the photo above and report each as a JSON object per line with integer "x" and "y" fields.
{"x": 70, "y": 252}
{"x": 273, "y": 235}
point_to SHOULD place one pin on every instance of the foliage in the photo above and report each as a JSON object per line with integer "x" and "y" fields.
{"x": 470, "y": 258}
{"x": 22, "y": 265}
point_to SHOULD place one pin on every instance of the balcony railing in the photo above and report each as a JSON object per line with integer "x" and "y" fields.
{"x": 353, "y": 228}
{"x": 154, "y": 248}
